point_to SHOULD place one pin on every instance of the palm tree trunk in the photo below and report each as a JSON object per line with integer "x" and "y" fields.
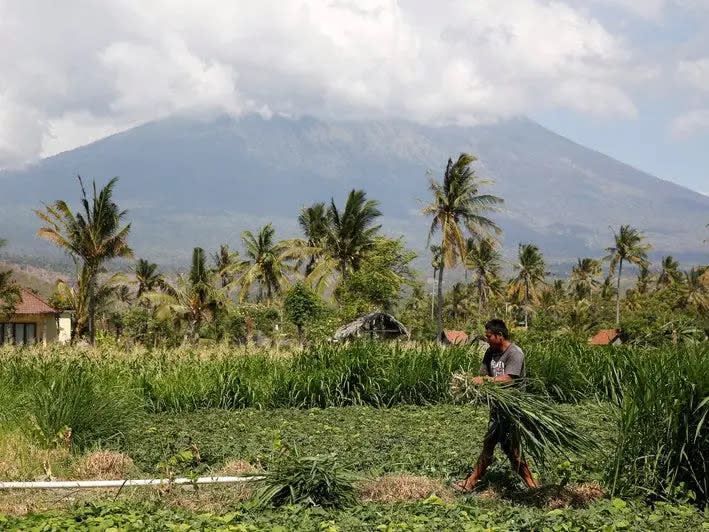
{"x": 92, "y": 307}
{"x": 480, "y": 294}
{"x": 343, "y": 269}
{"x": 526, "y": 303}
{"x": 440, "y": 300}
{"x": 617, "y": 294}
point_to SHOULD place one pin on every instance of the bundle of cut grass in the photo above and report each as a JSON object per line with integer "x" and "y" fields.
{"x": 542, "y": 428}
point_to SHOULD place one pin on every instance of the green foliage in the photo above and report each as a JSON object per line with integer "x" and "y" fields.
{"x": 306, "y": 480}
{"x": 9, "y": 291}
{"x": 301, "y": 305}
{"x": 140, "y": 326}
{"x": 377, "y": 284}
{"x": 430, "y": 514}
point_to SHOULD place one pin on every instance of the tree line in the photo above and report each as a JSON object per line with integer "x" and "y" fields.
{"x": 342, "y": 266}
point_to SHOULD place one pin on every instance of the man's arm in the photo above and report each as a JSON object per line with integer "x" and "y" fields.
{"x": 501, "y": 378}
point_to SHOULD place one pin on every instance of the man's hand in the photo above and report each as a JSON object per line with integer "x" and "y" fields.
{"x": 478, "y": 381}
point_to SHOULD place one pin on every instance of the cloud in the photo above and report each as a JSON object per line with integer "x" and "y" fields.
{"x": 694, "y": 73}
{"x": 690, "y": 123}
{"x": 75, "y": 72}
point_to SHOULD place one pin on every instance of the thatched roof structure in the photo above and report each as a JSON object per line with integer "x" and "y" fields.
{"x": 379, "y": 324}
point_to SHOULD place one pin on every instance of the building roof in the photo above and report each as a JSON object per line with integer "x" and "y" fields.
{"x": 605, "y": 337}
{"x": 455, "y": 337}
{"x": 375, "y": 322}
{"x": 32, "y": 304}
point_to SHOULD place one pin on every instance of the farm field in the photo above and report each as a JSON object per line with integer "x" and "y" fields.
{"x": 383, "y": 412}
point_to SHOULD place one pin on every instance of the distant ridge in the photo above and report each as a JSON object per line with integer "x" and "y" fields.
{"x": 188, "y": 182}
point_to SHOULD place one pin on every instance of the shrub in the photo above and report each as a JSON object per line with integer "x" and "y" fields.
{"x": 69, "y": 405}
{"x": 310, "y": 481}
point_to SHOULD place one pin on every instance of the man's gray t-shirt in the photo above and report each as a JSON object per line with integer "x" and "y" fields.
{"x": 508, "y": 362}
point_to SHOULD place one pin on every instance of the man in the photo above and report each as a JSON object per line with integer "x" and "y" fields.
{"x": 503, "y": 363}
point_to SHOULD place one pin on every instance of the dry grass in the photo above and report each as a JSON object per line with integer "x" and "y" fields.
{"x": 549, "y": 497}
{"x": 20, "y": 459}
{"x": 575, "y": 496}
{"x": 105, "y": 465}
{"x": 237, "y": 468}
{"x": 403, "y": 488}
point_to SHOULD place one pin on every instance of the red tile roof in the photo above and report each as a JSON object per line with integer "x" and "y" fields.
{"x": 604, "y": 337}
{"x": 455, "y": 337}
{"x": 32, "y": 304}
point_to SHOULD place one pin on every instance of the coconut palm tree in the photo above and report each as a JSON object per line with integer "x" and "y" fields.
{"x": 351, "y": 232}
{"x": 76, "y": 297}
{"x": 93, "y": 236}
{"x": 696, "y": 288}
{"x": 628, "y": 247}
{"x": 584, "y": 277}
{"x": 182, "y": 302}
{"x": 266, "y": 264}
{"x": 531, "y": 271}
{"x": 643, "y": 279}
{"x": 483, "y": 259}
{"x": 669, "y": 274}
{"x": 226, "y": 264}
{"x": 9, "y": 291}
{"x": 314, "y": 223}
{"x": 457, "y": 302}
{"x": 457, "y": 205}
{"x": 147, "y": 276}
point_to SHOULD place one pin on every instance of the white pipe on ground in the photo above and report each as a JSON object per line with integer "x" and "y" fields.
{"x": 56, "y": 484}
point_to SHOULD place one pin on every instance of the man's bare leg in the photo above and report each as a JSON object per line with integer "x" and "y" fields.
{"x": 483, "y": 462}
{"x": 519, "y": 465}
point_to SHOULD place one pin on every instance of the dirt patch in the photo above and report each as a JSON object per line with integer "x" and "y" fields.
{"x": 105, "y": 465}
{"x": 403, "y": 488}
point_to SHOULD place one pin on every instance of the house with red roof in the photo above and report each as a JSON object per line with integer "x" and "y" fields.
{"x": 35, "y": 321}
{"x": 453, "y": 337}
{"x": 606, "y": 337}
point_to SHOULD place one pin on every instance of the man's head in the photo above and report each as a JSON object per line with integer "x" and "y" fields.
{"x": 496, "y": 333}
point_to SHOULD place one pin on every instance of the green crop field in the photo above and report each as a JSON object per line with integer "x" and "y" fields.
{"x": 384, "y": 414}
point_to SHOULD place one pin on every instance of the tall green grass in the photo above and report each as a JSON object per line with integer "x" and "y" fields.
{"x": 663, "y": 426}
{"x": 59, "y": 402}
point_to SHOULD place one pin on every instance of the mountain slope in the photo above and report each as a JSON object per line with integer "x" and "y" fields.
{"x": 189, "y": 182}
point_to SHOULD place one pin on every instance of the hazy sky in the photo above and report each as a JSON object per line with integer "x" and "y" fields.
{"x": 627, "y": 77}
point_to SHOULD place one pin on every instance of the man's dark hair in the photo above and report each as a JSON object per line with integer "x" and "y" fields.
{"x": 497, "y": 326}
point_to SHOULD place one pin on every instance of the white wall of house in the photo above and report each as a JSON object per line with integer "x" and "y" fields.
{"x": 64, "y": 328}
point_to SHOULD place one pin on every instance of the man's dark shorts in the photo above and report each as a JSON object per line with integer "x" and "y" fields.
{"x": 502, "y": 430}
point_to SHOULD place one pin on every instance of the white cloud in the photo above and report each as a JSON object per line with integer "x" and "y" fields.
{"x": 690, "y": 123}
{"x": 695, "y": 73}
{"x": 75, "y": 71}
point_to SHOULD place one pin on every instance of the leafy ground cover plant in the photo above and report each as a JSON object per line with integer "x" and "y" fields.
{"x": 431, "y": 514}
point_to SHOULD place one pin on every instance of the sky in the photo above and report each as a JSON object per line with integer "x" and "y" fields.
{"x": 629, "y": 78}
